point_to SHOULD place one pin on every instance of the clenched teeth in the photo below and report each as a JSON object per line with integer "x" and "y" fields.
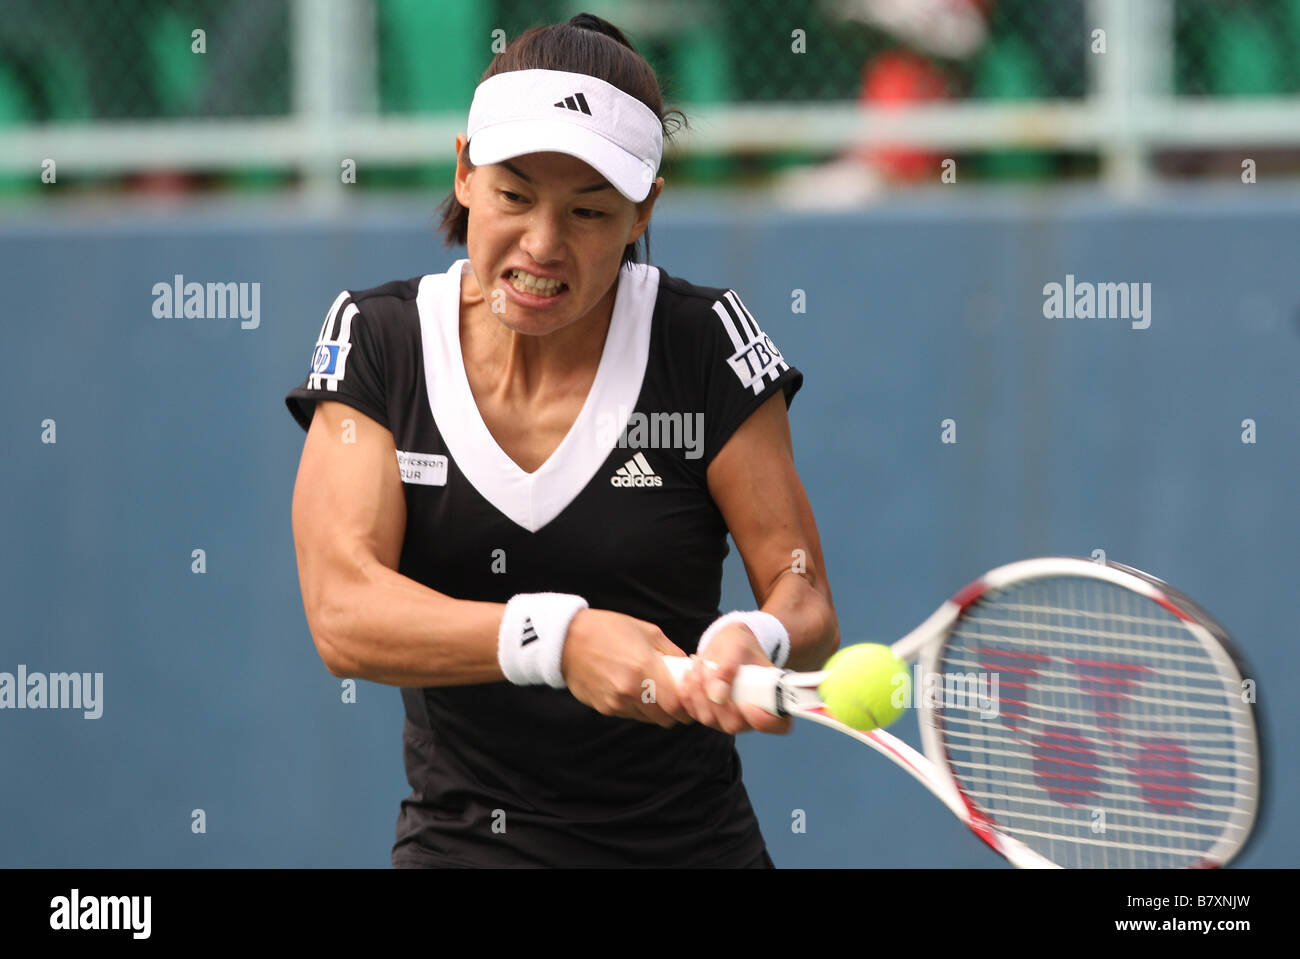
{"x": 536, "y": 285}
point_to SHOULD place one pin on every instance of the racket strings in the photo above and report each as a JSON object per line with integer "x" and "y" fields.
{"x": 998, "y": 632}
{"x": 1104, "y": 732}
{"x": 1121, "y": 757}
{"x": 1139, "y": 821}
{"x": 1118, "y": 785}
{"x": 1211, "y": 700}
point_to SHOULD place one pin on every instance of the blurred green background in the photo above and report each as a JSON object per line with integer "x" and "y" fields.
{"x": 84, "y": 63}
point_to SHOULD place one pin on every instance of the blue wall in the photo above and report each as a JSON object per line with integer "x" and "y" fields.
{"x": 1072, "y": 435}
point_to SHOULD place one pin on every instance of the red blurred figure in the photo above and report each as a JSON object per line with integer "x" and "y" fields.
{"x": 897, "y": 79}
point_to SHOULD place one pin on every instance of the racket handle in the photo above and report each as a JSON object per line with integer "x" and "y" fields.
{"x": 754, "y": 685}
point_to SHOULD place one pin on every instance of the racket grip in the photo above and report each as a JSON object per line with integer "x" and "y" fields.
{"x": 754, "y": 685}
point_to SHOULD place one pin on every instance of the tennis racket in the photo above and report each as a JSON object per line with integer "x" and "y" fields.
{"x": 1111, "y": 724}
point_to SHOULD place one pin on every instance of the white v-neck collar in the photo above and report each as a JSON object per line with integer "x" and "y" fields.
{"x": 534, "y": 499}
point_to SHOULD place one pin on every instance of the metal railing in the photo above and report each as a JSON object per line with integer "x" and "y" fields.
{"x": 1128, "y": 114}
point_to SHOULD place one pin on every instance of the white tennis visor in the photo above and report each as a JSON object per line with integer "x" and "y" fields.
{"x": 543, "y": 111}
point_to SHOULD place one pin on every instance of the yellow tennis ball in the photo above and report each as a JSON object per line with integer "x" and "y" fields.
{"x": 868, "y": 686}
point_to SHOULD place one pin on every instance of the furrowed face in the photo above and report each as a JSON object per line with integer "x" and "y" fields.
{"x": 546, "y": 237}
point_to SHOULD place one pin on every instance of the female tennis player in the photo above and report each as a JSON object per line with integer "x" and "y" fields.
{"x": 517, "y": 484}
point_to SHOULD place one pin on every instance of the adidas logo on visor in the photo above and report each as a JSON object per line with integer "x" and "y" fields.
{"x": 575, "y": 102}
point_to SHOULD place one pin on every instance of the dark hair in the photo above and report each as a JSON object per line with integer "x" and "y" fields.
{"x": 586, "y": 44}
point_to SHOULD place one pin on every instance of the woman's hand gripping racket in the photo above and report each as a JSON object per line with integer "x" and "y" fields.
{"x": 1073, "y": 714}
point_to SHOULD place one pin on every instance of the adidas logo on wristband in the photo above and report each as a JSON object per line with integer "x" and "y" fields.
{"x": 530, "y": 638}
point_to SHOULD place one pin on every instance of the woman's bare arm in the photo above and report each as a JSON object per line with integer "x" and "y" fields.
{"x": 756, "y": 486}
{"x": 349, "y": 521}
{"x": 370, "y": 622}
{"x": 754, "y": 482}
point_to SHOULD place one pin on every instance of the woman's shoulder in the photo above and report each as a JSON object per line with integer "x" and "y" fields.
{"x": 386, "y": 295}
{"x": 716, "y": 310}
{"x": 687, "y": 295}
{"x": 406, "y": 299}
{"x": 715, "y": 323}
{"x": 388, "y": 309}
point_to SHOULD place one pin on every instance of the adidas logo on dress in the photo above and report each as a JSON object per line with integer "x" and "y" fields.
{"x": 636, "y": 472}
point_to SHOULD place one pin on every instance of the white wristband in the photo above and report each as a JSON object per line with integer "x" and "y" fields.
{"x": 530, "y": 642}
{"x": 772, "y": 636}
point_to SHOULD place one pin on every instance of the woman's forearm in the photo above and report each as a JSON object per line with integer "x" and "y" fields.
{"x": 387, "y": 628}
{"x": 809, "y": 618}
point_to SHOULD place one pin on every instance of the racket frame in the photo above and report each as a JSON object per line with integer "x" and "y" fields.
{"x": 926, "y": 643}
{"x": 785, "y": 692}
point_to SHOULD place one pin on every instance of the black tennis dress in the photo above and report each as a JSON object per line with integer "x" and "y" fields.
{"x": 503, "y": 775}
